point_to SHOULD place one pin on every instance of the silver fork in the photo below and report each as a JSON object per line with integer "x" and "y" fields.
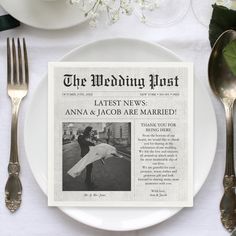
{"x": 17, "y": 86}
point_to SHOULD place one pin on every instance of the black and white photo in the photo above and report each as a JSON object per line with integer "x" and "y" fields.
{"x": 96, "y": 156}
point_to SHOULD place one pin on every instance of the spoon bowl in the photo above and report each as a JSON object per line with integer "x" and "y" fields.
{"x": 222, "y": 80}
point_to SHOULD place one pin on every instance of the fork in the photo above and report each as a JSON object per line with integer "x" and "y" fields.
{"x": 17, "y": 86}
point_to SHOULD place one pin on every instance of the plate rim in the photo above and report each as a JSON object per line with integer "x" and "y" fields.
{"x": 44, "y": 27}
{"x": 38, "y": 177}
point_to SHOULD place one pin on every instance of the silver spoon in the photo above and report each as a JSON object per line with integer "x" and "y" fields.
{"x": 223, "y": 84}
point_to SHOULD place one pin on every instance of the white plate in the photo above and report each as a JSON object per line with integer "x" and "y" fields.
{"x": 120, "y": 218}
{"x": 43, "y": 14}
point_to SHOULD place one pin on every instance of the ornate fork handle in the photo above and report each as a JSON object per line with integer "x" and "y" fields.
{"x": 228, "y": 201}
{"x": 13, "y": 189}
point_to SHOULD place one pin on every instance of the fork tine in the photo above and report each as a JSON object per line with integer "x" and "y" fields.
{"x": 8, "y": 62}
{"x": 26, "y": 80}
{"x": 19, "y": 61}
{"x": 14, "y": 62}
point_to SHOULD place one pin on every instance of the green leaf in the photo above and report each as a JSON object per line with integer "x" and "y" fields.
{"x": 229, "y": 53}
{"x": 222, "y": 19}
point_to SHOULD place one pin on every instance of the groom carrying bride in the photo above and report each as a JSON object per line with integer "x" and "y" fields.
{"x": 86, "y": 140}
{"x": 92, "y": 149}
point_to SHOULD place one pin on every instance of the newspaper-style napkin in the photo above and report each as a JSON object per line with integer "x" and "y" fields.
{"x": 120, "y": 134}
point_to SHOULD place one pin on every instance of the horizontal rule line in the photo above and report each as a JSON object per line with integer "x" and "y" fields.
{"x": 104, "y": 118}
{"x": 120, "y": 91}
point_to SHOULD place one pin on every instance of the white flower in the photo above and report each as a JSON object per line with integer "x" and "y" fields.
{"x": 74, "y": 1}
{"x": 143, "y": 19}
{"x": 93, "y": 23}
{"x": 94, "y": 14}
{"x": 115, "y": 16}
{"x": 114, "y": 8}
{"x": 220, "y": 2}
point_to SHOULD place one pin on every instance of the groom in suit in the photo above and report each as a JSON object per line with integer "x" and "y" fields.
{"x": 85, "y": 141}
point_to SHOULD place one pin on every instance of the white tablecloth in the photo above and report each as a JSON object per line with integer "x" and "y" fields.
{"x": 189, "y": 40}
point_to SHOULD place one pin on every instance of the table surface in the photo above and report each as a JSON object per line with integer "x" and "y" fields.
{"x": 187, "y": 38}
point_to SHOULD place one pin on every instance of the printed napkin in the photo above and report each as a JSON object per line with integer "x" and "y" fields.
{"x": 7, "y": 21}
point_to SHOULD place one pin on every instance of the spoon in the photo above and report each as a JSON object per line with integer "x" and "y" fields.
{"x": 223, "y": 84}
